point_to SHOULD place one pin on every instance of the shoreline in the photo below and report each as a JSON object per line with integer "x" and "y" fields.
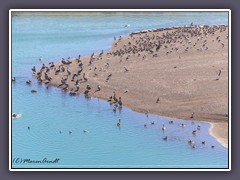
{"x": 179, "y": 97}
{"x": 213, "y": 132}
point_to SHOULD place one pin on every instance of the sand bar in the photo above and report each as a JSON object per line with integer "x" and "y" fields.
{"x": 177, "y": 72}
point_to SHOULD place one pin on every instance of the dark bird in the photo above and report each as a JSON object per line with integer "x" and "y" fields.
{"x": 120, "y": 101}
{"x": 110, "y": 99}
{"x": 219, "y": 72}
{"x": 34, "y": 69}
{"x": 29, "y": 82}
{"x": 165, "y": 138}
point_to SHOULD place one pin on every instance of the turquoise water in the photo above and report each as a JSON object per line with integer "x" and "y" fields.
{"x": 104, "y": 145}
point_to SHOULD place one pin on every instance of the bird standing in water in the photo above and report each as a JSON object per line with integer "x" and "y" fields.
{"x": 163, "y": 128}
{"x": 119, "y": 122}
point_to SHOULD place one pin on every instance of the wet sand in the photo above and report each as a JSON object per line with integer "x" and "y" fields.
{"x": 171, "y": 72}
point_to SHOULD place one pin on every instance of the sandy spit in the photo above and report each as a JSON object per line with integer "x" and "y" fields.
{"x": 179, "y": 72}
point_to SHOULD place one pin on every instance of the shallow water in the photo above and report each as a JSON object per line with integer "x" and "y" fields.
{"x": 104, "y": 145}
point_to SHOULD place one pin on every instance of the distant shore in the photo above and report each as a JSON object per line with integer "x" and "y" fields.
{"x": 177, "y": 72}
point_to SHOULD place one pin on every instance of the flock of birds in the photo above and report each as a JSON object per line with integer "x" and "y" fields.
{"x": 145, "y": 42}
{"x": 118, "y": 104}
{"x": 67, "y": 77}
{"x": 190, "y": 141}
{"x": 140, "y": 44}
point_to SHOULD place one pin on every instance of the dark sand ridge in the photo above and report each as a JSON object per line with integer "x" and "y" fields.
{"x": 170, "y": 72}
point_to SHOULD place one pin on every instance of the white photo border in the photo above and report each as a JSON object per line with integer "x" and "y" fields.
{"x": 119, "y": 169}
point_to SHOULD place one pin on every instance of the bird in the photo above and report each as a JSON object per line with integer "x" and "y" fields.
{"x": 119, "y": 122}
{"x": 110, "y": 99}
{"x": 192, "y": 115}
{"x": 29, "y": 82}
{"x": 157, "y": 100}
{"x": 119, "y": 101}
{"x": 164, "y": 128}
{"x": 34, "y": 69}
{"x": 14, "y": 115}
{"x": 194, "y": 132}
{"x": 40, "y": 58}
{"x": 182, "y": 125}
{"x": 165, "y": 138}
{"x": 98, "y": 87}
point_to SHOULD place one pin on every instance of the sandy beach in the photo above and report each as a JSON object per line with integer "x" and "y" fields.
{"x": 179, "y": 72}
